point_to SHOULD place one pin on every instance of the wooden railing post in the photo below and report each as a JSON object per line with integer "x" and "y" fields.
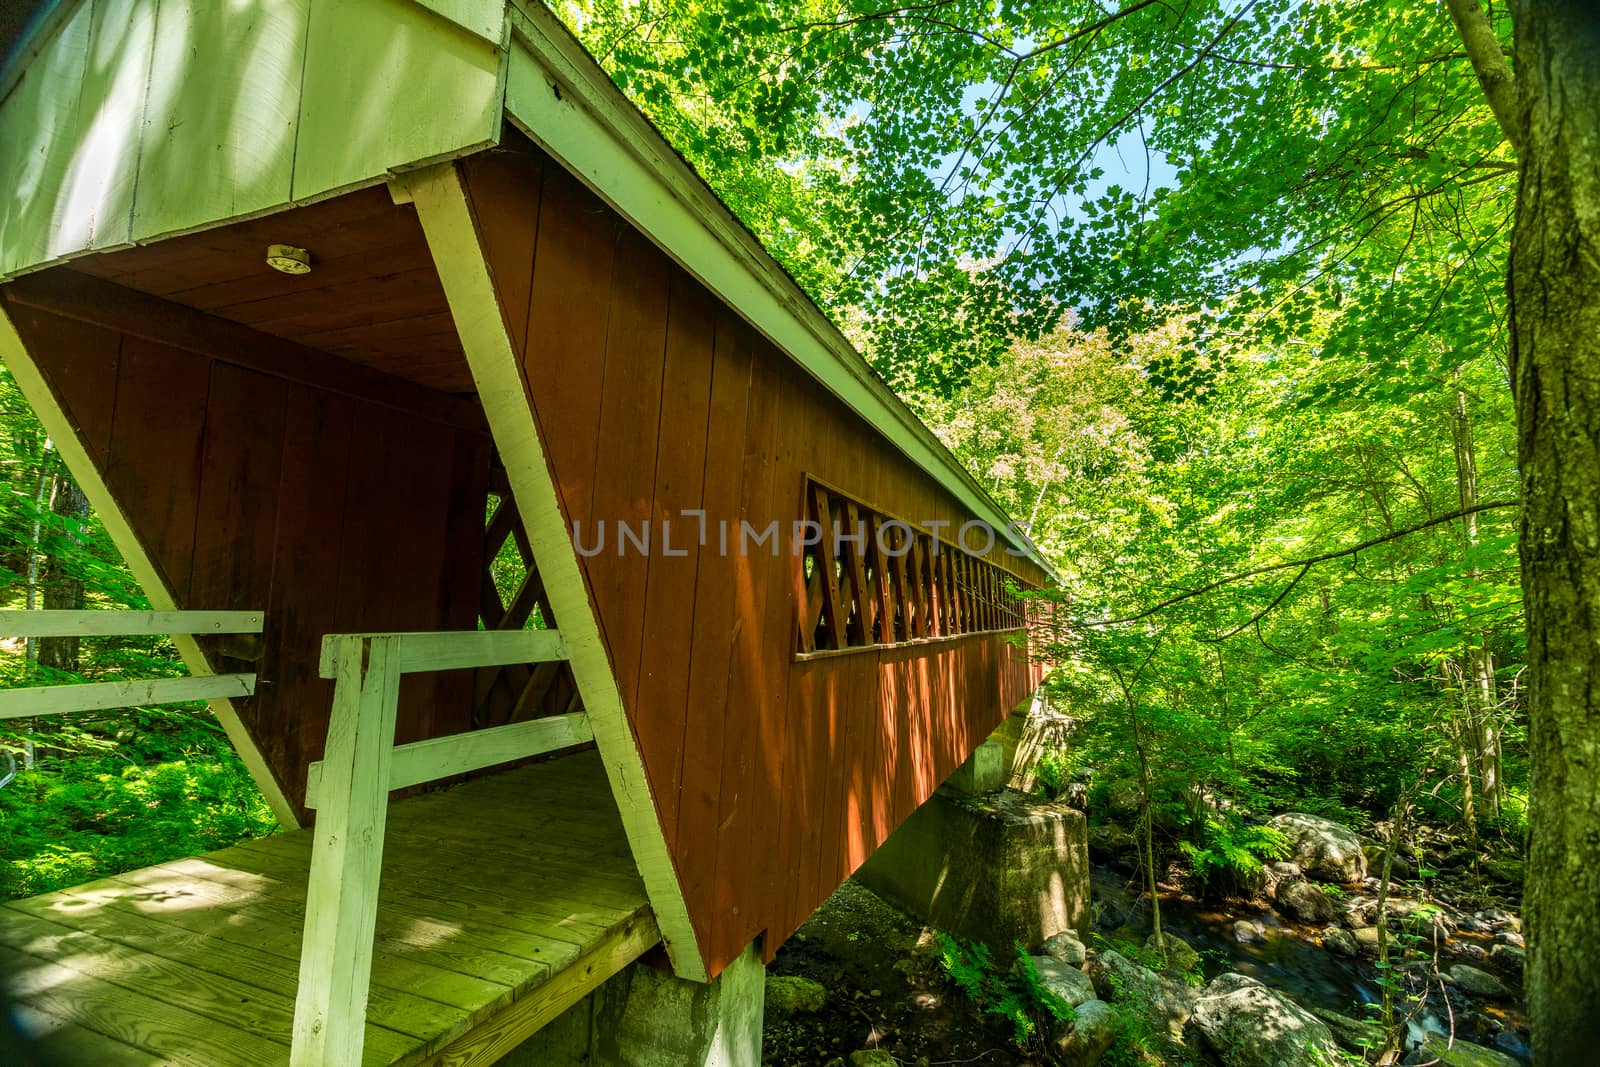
{"x": 347, "y": 856}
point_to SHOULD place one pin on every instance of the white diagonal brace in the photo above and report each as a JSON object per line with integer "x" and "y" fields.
{"x": 452, "y": 235}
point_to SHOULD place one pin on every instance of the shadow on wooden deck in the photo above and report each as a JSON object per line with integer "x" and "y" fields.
{"x": 502, "y": 902}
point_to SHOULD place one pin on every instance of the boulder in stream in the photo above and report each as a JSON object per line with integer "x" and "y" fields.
{"x": 1249, "y": 1025}
{"x": 1066, "y": 947}
{"x": 1167, "y": 1002}
{"x": 1180, "y": 955}
{"x": 789, "y": 995}
{"x": 1439, "y": 1051}
{"x": 1508, "y": 958}
{"x": 1473, "y": 982}
{"x": 1325, "y": 850}
{"x": 1064, "y": 980}
{"x": 1340, "y": 942}
{"x": 1352, "y": 1035}
{"x": 1304, "y": 901}
{"x": 1366, "y": 939}
{"x": 1084, "y": 1041}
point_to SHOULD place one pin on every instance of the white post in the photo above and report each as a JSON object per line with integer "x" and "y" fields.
{"x": 330, "y": 1011}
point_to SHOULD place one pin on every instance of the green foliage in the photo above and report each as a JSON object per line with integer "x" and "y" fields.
{"x": 1227, "y": 855}
{"x": 1016, "y": 995}
{"x": 151, "y": 788}
{"x": 1052, "y": 773}
{"x": 1510, "y": 823}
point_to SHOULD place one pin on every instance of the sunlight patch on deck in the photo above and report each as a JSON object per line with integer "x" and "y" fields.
{"x": 490, "y": 891}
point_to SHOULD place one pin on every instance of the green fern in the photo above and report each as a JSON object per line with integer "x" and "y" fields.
{"x": 1018, "y": 996}
{"x": 1229, "y": 854}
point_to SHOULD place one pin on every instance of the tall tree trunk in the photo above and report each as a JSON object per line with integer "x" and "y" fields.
{"x": 63, "y": 591}
{"x": 1481, "y": 703}
{"x": 1127, "y": 683}
{"x": 1461, "y": 733}
{"x": 1555, "y": 367}
{"x": 1147, "y": 813}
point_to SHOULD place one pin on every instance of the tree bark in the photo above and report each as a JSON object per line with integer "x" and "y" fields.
{"x": 1554, "y": 287}
{"x": 1481, "y": 705}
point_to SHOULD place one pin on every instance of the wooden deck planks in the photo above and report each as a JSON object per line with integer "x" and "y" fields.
{"x": 196, "y": 961}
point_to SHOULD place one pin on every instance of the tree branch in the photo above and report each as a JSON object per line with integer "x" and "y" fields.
{"x": 1307, "y": 563}
{"x": 1264, "y": 612}
{"x": 1489, "y": 63}
{"x": 1093, "y": 27}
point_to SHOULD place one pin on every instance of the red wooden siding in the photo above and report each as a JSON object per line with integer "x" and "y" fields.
{"x": 252, "y": 490}
{"x": 774, "y": 777}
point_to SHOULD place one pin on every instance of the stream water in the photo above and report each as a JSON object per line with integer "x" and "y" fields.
{"x": 1289, "y": 958}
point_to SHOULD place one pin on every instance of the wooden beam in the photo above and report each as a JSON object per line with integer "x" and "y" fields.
{"x": 127, "y": 623}
{"x": 827, "y": 564}
{"x": 454, "y": 650}
{"x": 442, "y": 757}
{"x": 103, "y": 696}
{"x": 89, "y": 478}
{"x": 330, "y": 1012}
{"x": 452, "y": 235}
{"x": 492, "y": 1039}
{"x": 85, "y": 298}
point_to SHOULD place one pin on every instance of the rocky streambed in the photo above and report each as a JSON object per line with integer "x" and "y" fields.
{"x": 1286, "y": 977}
{"x": 1310, "y": 938}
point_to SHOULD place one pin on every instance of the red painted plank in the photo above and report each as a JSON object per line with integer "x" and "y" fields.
{"x": 305, "y": 580}
{"x": 505, "y": 190}
{"x": 624, "y": 453}
{"x": 79, "y": 361}
{"x": 153, "y": 463}
{"x": 753, "y": 675}
{"x": 566, "y": 332}
{"x": 662, "y": 666}
{"x": 715, "y": 627}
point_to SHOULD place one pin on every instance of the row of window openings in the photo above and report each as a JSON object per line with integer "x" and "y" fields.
{"x": 893, "y": 583}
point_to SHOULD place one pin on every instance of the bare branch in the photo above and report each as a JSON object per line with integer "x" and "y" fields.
{"x": 1305, "y": 564}
{"x": 1489, "y": 63}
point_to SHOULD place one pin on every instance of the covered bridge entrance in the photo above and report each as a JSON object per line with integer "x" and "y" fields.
{"x": 393, "y": 327}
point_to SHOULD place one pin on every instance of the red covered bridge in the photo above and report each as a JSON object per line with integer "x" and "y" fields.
{"x": 542, "y": 454}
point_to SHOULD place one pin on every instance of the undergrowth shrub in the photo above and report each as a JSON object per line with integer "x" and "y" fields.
{"x": 1227, "y": 854}
{"x": 110, "y": 795}
{"x": 1052, "y": 773}
{"x": 1016, "y": 995}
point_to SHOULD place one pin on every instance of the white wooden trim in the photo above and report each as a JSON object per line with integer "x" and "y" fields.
{"x": 104, "y": 696}
{"x": 442, "y": 757}
{"x": 598, "y": 134}
{"x": 16, "y": 358}
{"x": 450, "y": 650}
{"x": 447, "y": 222}
{"x": 127, "y": 623}
{"x": 330, "y": 1011}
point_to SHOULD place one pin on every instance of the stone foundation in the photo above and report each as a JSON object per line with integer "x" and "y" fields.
{"x": 995, "y": 869}
{"x": 644, "y": 1017}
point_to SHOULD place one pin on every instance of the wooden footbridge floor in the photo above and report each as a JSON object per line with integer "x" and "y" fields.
{"x": 502, "y": 902}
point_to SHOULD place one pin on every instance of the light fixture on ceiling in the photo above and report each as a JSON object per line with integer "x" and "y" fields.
{"x": 289, "y": 259}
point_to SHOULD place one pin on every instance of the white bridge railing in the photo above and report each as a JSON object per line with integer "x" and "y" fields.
{"x": 349, "y": 787}
{"x": 104, "y": 696}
